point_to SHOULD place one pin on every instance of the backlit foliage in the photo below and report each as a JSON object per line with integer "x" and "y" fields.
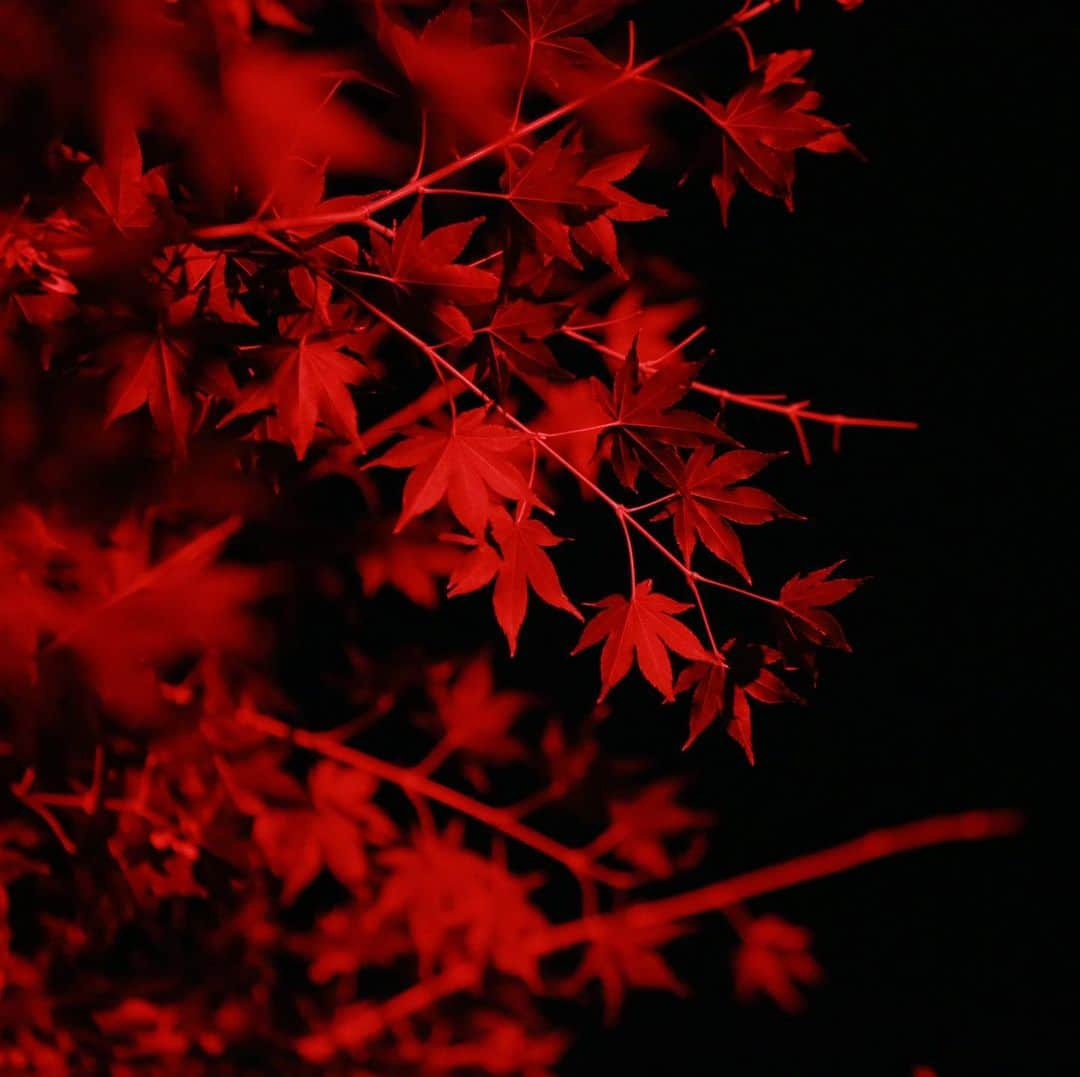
{"x": 307, "y": 303}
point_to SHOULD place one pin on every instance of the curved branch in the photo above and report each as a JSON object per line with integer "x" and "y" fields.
{"x": 499, "y": 819}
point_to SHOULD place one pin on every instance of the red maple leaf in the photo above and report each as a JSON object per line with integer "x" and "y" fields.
{"x": 130, "y": 197}
{"x": 413, "y": 259}
{"x": 764, "y": 124}
{"x": 553, "y": 19}
{"x": 300, "y": 191}
{"x": 807, "y": 621}
{"x": 645, "y": 425}
{"x": 562, "y": 195}
{"x": 709, "y": 497}
{"x": 517, "y": 332}
{"x": 642, "y": 627}
{"x": 466, "y": 462}
{"x": 309, "y": 386}
{"x": 566, "y": 65}
{"x": 521, "y": 563}
{"x": 597, "y": 235}
{"x": 724, "y": 687}
{"x": 152, "y": 370}
{"x": 221, "y": 279}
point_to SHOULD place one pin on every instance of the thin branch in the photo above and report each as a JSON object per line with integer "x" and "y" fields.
{"x": 717, "y": 897}
{"x": 875, "y": 845}
{"x": 796, "y": 411}
{"x": 418, "y": 784}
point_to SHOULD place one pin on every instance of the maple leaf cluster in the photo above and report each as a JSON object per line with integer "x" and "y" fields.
{"x": 308, "y": 317}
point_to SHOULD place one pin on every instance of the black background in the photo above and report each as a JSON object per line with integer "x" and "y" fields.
{"x": 915, "y": 286}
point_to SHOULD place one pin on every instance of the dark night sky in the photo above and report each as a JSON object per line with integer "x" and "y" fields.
{"x": 916, "y": 286}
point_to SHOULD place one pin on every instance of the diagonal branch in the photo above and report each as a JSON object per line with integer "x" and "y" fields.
{"x": 874, "y": 845}
{"x": 716, "y": 897}
{"x": 412, "y": 782}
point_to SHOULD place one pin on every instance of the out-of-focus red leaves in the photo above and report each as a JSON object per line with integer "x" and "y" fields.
{"x": 279, "y": 105}
{"x": 643, "y": 825}
{"x": 334, "y": 831}
{"x": 458, "y": 905}
{"x": 573, "y": 418}
{"x": 774, "y": 959}
{"x": 627, "y": 957}
{"x": 476, "y": 719}
{"x": 435, "y": 59}
{"x": 241, "y": 14}
{"x": 123, "y": 612}
{"x": 413, "y": 563}
{"x": 633, "y": 322}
